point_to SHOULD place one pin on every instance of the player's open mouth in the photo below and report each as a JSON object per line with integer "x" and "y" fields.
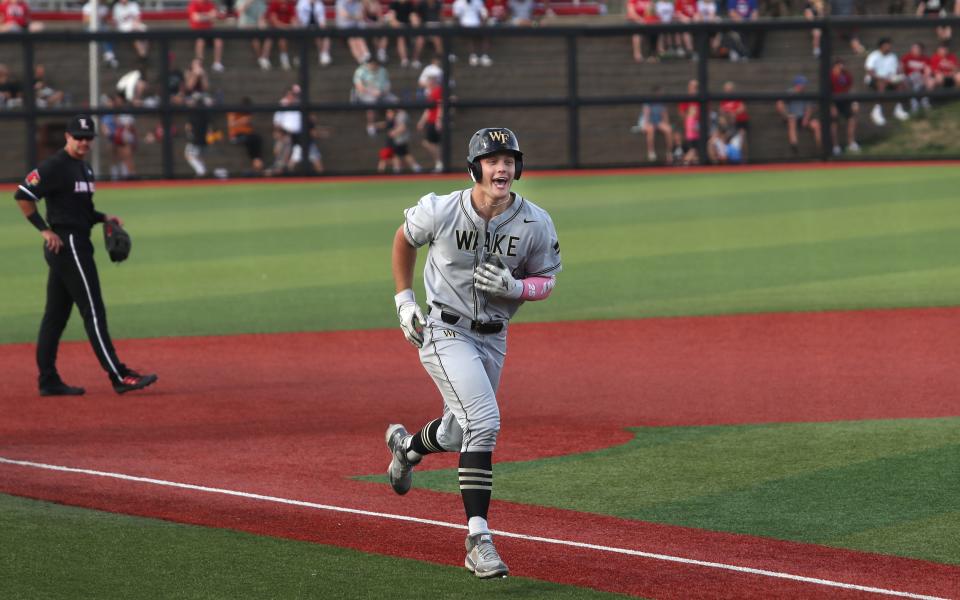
{"x": 501, "y": 182}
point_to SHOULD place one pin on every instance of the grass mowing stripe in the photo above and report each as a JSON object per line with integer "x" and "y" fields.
{"x": 66, "y": 552}
{"x": 919, "y": 288}
{"x": 808, "y": 482}
{"x": 662, "y": 557}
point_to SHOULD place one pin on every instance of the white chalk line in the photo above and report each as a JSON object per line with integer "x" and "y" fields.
{"x": 522, "y": 536}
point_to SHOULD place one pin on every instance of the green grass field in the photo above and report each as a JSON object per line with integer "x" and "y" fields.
{"x": 311, "y": 257}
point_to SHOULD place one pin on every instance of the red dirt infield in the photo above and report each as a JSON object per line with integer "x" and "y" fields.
{"x": 295, "y": 416}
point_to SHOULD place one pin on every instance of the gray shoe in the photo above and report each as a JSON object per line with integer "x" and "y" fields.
{"x": 482, "y": 559}
{"x": 400, "y": 470}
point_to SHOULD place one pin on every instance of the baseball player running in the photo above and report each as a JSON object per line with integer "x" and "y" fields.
{"x": 490, "y": 250}
{"x": 67, "y": 183}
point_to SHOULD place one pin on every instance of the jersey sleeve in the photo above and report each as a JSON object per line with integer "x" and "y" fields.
{"x": 418, "y": 225}
{"x": 37, "y": 184}
{"x": 544, "y": 258}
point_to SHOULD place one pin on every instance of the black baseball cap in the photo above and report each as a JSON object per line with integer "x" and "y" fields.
{"x": 82, "y": 126}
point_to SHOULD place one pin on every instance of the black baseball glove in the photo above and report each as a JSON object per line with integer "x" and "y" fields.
{"x": 117, "y": 241}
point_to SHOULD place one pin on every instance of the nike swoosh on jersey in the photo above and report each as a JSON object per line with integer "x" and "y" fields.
{"x": 529, "y": 220}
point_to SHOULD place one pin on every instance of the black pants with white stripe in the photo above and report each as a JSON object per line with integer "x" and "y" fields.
{"x": 73, "y": 280}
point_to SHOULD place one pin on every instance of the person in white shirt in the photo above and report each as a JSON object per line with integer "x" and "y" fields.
{"x": 883, "y": 73}
{"x": 126, "y": 17}
{"x": 312, "y": 14}
{"x": 103, "y": 13}
{"x": 473, "y": 14}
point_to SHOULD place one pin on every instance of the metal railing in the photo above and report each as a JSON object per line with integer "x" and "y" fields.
{"x": 573, "y": 102}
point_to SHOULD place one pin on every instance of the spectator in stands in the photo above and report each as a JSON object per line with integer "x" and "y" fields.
{"x": 945, "y": 67}
{"x": 402, "y": 14}
{"x": 740, "y": 11}
{"x": 653, "y": 118}
{"x": 196, "y": 81}
{"x": 883, "y": 73}
{"x": 430, "y": 14}
{"x": 44, "y": 94}
{"x": 11, "y": 92}
{"x": 103, "y": 14}
{"x": 202, "y": 14}
{"x": 725, "y": 145}
{"x": 120, "y": 129}
{"x": 373, "y": 18}
{"x": 687, "y": 136}
{"x": 919, "y": 75}
{"x": 350, "y": 16}
{"x": 309, "y": 141}
{"x": 640, "y": 12}
{"x": 669, "y": 43}
{"x": 935, "y": 9}
{"x": 841, "y": 82}
{"x": 198, "y": 122}
{"x": 498, "y": 13}
{"x": 431, "y": 123}
{"x": 686, "y": 12}
{"x": 472, "y": 14}
{"x": 396, "y": 149}
{"x": 799, "y": 114}
{"x": 433, "y": 70}
{"x": 287, "y": 125}
{"x": 126, "y": 17}
{"x": 312, "y": 14}
{"x": 737, "y": 116}
{"x": 847, "y": 8}
{"x": 240, "y": 131}
{"x": 251, "y": 14}
{"x": 371, "y": 86}
{"x": 134, "y": 86}
{"x": 281, "y": 14}
{"x": 16, "y": 17}
{"x": 815, "y": 9}
{"x": 521, "y": 12}
{"x": 707, "y": 12}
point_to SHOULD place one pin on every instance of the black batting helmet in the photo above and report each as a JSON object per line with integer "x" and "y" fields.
{"x": 491, "y": 140}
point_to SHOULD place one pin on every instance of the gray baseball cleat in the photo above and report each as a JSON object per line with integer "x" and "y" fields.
{"x": 482, "y": 559}
{"x": 400, "y": 470}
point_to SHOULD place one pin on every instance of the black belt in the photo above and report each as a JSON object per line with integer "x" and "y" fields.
{"x": 478, "y": 326}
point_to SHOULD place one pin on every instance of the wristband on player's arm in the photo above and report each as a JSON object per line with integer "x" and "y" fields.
{"x": 38, "y": 221}
{"x": 404, "y": 297}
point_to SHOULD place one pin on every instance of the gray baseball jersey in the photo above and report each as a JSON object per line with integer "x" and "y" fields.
{"x": 459, "y": 240}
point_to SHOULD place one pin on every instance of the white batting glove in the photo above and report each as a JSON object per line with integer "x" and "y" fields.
{"x": 496, "y": 279}
{"x": 411, "y": 317}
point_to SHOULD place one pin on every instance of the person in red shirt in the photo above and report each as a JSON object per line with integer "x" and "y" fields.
{"x": 202, "y": 14}
{"x": 640, "y": 12}
{"x": 686, "y": 12}
{"x": 916, "y": 68}
{"x": 15, "y": 16}
{"x": 431, "y": 122}
{"x": 841, "y": 82}
{"x": 945, "y": 67}
{"x": 736, "y": 112}
{"x": 281, "y": 14}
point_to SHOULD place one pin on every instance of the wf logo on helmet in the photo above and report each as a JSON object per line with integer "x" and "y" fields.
{"x": 499, "y": 136}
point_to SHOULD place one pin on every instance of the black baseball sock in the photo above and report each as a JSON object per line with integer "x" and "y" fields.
{"x": 476, "y": 482}
{"x": 425, "y": 441}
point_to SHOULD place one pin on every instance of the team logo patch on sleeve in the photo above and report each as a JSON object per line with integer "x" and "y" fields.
{"x": 33, "y": 178}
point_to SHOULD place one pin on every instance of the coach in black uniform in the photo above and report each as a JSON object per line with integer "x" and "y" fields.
{"x": 67, "y": 183}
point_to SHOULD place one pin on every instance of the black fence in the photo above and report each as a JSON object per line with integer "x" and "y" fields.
{"x": 565, "y": 138}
